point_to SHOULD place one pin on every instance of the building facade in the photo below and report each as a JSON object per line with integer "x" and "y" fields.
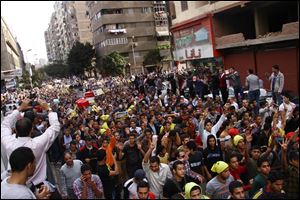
{"x": 69, "y": 23}
{"x": 243, "y": 34}
{"x": 128, "y": 27}
{"x": 12, "y": 60}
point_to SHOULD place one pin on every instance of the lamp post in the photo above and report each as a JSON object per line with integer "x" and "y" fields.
{"x": 132, "y": 46}
{"x": 29, "y": 67}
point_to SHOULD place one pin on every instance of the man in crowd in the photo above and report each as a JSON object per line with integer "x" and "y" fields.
{"x": 39, "y": 145}
{"x": 130, "y": 186}
{"x": 22, "y": 162}
{"x": 69, "y": 172}
{"x": 217, "y": 188}
{"x": 236, "y": 190}
{"x": 277, "y": 83}
{"x": 88, "y": 185}
{"x": 156, "y": 172}
{"x": 252, "y": 83}
{"x": 273, "y": 189}
{"x": 143, "y": 191}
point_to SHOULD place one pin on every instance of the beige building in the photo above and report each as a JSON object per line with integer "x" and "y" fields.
{"x": 129, "y": 27}
{"x": 12, "y": 61}
{"x": 243, "y": 34}
{"x": 69, "y": 23}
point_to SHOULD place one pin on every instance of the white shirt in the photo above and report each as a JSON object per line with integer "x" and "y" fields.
{"x": 132, "y": 188}
{"x": 213, "y": 131}
{"x": 290, "y": 107}
{"x": 157, "y": 179}
{"x": 15, "y": 191}
{"x": 39, "y": 145}
{"x": 137, "y": 129}
{"x": 236, "y": 106}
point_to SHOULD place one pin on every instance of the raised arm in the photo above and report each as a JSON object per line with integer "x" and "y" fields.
{"x": 284, "y": 161}
{"x": 147, "y": 155}
{"x": 8, "y": 123}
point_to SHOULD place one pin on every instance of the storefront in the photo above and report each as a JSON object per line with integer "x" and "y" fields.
{"x": 193, "y": 42}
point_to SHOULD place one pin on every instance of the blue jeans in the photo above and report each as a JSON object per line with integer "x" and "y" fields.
{"x": 237, "y": 92}
{"x": 277, "y": 98}
{"x": 254, "y": 95}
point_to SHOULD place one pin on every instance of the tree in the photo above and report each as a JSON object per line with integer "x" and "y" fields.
{"x": 79, "y": 58}
{"x": 152, "y": 57}
{"x": 37, "y": 77}
{"x": 112, "y": 64}
{"x": 58, "y": 70}
{"x": 25, "y": 80}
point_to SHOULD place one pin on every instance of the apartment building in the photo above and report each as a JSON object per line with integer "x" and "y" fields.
{"x": 124, "y": 26}
{"x": 69, "y": 23}
{"x": 243, "y": 34}
{"x": 12, "y": 60}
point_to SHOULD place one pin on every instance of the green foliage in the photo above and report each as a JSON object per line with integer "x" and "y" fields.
{"x": 111, "y": 64}
{"x": 25, "y": 80}
{"x": 57, "y": 70}
{"x": 80, "y": 57}
{"x": 164, "y": 46}
{"x": 152, "y": 57}
{"x": 37, "y": 77}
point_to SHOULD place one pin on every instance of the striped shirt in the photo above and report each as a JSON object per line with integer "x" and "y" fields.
{"x": 78, "y": 186}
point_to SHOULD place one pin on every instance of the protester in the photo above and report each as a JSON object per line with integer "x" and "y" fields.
{"x": 69, "y": 172}
{"x": 88, "y": 185}
{"x": 217, "y": 188}
{"x": 194, "y": 191}
{"x": 130, "y": 186}
{"x": 252, "y": 83}
{"x": 274, "y": 188}
{"x": 260, "y": 181}
{"x": 236, "y": 190}
{"x": 143, "y": 191}
{"x": 156, "y": 172}
{"x": 39, "y": 145}
{"x": 22, "y": 162}
{"x": 277, "y": 83}
{"x": 190, "y": 127}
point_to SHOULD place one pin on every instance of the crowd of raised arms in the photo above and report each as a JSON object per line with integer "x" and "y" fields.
{"x": 172, "y": 135}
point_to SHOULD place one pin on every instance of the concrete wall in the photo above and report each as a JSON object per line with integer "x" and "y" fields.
{"x": 10, "y": 52}
{"x": 197, "y": 8}
{"x": 84, "y": 31}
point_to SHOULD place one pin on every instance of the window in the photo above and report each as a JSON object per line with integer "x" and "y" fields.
{"x": 161, "y": 21}
{"x": 130, "y": 11}
{"x": 112, "y": 11}
{"x": 113, "y": 41}
{"x": 184, "y": 5}
{"x": 159, "y": 8}
{"x": 146, "y": 10}
{"x": 121, "y": 26}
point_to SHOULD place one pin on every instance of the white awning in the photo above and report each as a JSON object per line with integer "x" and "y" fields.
{"x": 162, "y": 33}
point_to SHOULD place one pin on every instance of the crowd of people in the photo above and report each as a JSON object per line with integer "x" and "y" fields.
{"x": 172, "y": 135}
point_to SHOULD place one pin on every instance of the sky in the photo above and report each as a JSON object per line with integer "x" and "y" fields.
{"x": 28, "y": 20}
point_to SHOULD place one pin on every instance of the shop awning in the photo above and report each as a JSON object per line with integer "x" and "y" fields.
{"x": 162, "y": 33}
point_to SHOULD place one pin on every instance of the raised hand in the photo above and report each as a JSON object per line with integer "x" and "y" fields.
{"x": 284, "y": 144}
{"x": 24, "y": 106}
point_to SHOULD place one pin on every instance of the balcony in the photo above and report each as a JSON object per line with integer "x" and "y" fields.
{"x": 137, "y": 32}
{"x": 117, "y": 31}
{"x": 125, "y": 48}
{"x": 122, "y": 18}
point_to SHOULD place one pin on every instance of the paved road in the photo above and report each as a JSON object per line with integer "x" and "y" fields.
{"x": 55, "y": 172}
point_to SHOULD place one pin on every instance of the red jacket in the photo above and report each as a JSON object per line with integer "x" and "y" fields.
{"x": 236, "y": 175}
